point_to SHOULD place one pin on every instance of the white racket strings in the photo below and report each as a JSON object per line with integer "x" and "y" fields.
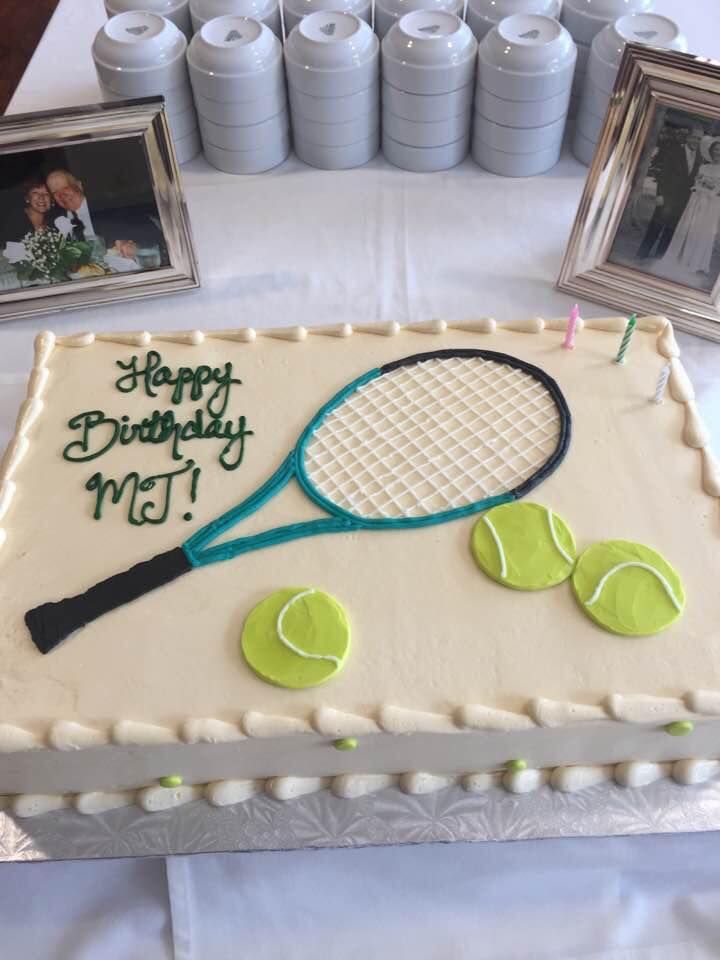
{"x": 433, "y": 436}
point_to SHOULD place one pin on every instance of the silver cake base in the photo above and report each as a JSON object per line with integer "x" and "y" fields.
{"x": 388, "y": 817}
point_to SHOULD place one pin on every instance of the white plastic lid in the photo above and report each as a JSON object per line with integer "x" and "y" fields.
{"x": 331, "y": 40}
{"x": 649, "y": 28}
{"x": 528, "y": 43}
{"x": 232, "y": 45}
{"x": 205, "y": 10}
{"x": 138, "y": 41}
{"x": 429, "y": 38}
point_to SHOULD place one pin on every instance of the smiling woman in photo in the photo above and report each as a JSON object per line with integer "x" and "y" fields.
{"x": 33, "y": 211}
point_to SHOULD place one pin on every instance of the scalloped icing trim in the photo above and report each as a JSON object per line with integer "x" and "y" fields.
{"x": 222, "y": 793}
{"x": 65, "y": 735}
{"x": 638, "y": 709}
{"x": 29, "y": 411}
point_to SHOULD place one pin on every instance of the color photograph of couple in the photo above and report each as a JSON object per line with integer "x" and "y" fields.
{"x": 77, "y": 213}
{"x": 670, "y": 227}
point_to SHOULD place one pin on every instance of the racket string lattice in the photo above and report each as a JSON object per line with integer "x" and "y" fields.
{"x": 433, "y": 436}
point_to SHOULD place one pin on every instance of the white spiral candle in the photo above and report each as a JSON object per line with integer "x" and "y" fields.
{"x": 662, "y": 383}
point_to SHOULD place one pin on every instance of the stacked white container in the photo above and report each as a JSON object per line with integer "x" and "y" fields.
{"x": 483, "y": 15}
{"x": 428, "y": 65}
{"x": 605, "y": 56}
{"x": 266, "y": 11}
{"x": 332, "y": 62}
{"x": 585, "y": 19}
{"x": 178, "y": 11}
{"x": 525, "y": 70}
{"x": 236, "y": 69}
{"x": 140, "y": 54}
{"x": 295, "y": 10}
{"x": 388, "y": 12}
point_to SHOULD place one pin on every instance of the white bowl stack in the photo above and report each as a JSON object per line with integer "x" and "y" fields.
{"x": 139, "y": 54}
{"x": 296, "y": 10}
{"x": 585, "y": 19}
{"x": 525, "y": 70}
{"x": 388, "y": 12}
{"x": 605, "y": 56}
{"x": 178, "y": 11}
{"x": 428, "y": 66}
{"x": 236, "y": 69}
{"x": 266, "y": 11}
{"x": 483, "y": 15}
{"x": 332, "y": 62}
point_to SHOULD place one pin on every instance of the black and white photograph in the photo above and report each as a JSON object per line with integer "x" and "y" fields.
{"x": 670, "y": 227}
{"x": 78, "y": 212}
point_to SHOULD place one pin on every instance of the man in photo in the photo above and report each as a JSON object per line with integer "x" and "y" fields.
{"x": 122, "y": 231}
{"x": 676, "y": 164}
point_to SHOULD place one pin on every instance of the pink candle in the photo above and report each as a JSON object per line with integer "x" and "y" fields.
{"x": 569, "y": 341}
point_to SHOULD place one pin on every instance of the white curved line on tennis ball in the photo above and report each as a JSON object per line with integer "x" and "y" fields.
{"x": 289, "y": 644}
{"x": 316, "y": 626}
{"x": 524, "y": 546}
{"x": 643, "y": 566}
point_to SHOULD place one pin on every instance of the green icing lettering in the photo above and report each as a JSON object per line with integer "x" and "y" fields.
{"x": 154, "y": 374}
{"x": 139, "y": 510}
{"x": 80, "y": 451}
{"x": 98, "y": 433}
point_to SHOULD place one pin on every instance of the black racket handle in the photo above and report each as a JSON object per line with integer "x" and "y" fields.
{"x": 50, "y": 623}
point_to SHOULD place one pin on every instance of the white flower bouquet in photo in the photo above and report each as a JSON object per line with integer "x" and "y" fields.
{"x": 48, "y": 256}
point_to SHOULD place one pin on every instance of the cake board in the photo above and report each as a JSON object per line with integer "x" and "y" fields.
{"x": 387, "y": 818}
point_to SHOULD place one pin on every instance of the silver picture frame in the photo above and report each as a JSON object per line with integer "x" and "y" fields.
{"x": 144, "y": 118}
{"x": 649, "y": 80}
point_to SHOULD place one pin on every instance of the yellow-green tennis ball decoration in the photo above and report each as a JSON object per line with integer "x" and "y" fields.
{"x": 297, "y": 637}
{"x": 627, "y": 588}
{"x": 524, "y": 546}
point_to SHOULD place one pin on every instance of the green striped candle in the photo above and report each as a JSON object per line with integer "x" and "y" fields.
{"x": 629, "y": 330}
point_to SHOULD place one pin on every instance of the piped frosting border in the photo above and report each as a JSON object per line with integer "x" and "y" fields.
{"x": 155, "y": 798}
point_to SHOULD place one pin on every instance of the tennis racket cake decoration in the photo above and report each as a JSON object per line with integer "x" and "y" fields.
{"x": 422, "y": 440}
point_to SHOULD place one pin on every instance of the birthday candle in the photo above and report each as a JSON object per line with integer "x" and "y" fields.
{"x": 629, "y": 330}
{"x": 569, "y": 341}
{"x": 662, "y": 383}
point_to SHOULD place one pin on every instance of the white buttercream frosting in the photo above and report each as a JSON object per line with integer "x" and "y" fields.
{"x": 421, "y": 782}
{"x": 67, "y": 735}
{"x": 287, "y": 788}
{"x": 225, "y": 793}
{"x": 135, "y": 733}
{"x": 691, "y": 772}
{"x": 646, "y": 709}
{"x": 100, "y": 801}
{"x": 157, "y": 798}
{"x": 524, "y": 781}
{"x": 14, "y": 739}
{"x": 477, "y": 717}
{"x": 337, "y": 723}
{"x": 350, "y": 786}
{"x": 556, "y": 713}
{"x": 36, "y": 804}
{"x": 571, "y": 779}
{"x": 222, "y": 793}
{"x": 401, "y": 720}
{"x": 638, "y": 773}
{"x": 257, "y": 724}
{"x": 210, "y": 731}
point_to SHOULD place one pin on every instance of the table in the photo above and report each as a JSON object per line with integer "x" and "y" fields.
{"x": 301, "y": 246}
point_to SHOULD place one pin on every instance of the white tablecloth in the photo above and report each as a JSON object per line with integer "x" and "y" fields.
{"x": 301, "y": 246}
